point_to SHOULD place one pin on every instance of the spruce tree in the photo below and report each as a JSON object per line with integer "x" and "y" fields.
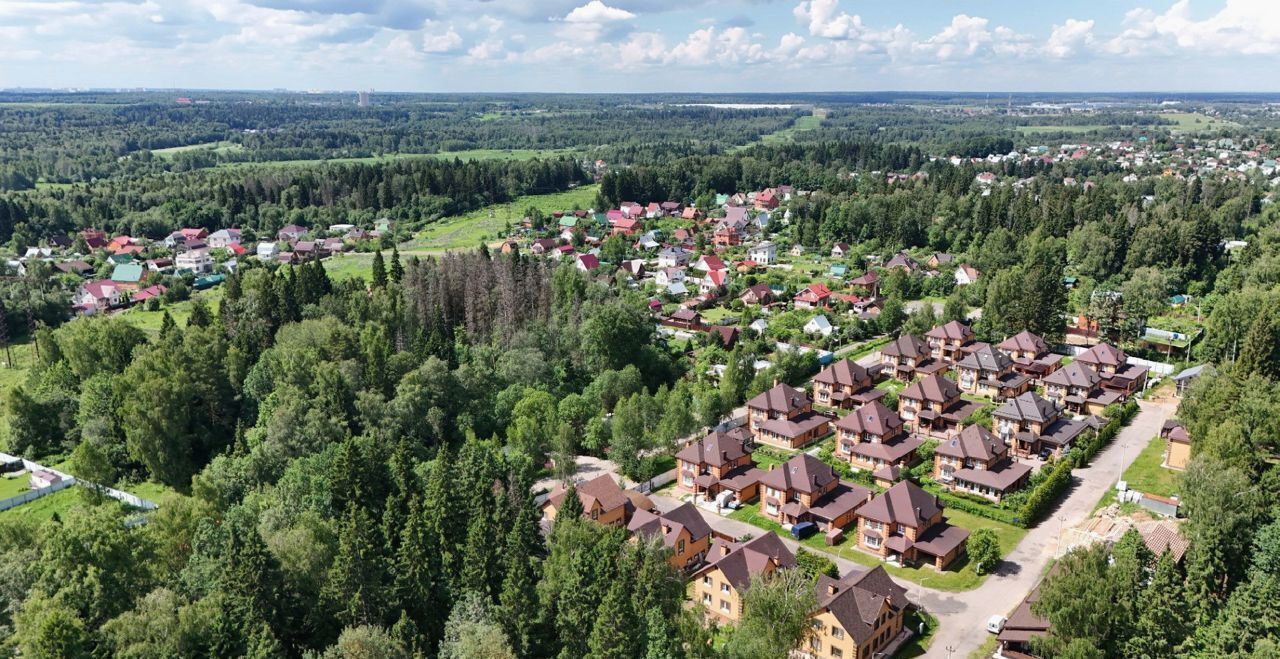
{"x": 167, "y": 326}
{"x": 355, "y": 592}
{"x": 1165, "y": 619}
{"x": 397, "y": 268}
{"x": 379, "y": 271}
{"x": 617, "y": 634}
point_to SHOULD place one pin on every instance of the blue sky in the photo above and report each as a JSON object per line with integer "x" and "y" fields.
{"x": 644, "y": 45}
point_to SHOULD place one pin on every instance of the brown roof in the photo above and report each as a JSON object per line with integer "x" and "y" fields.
{"x": 986, "y": 358}
{"x": 905, "y": 503}
{"x": 856, "y": 600}
{"x": 1160, "y": 537}
{"x": 1074, "y": 374}
{"x": 1179, "y": 435}
{"x": 840, "y": 501}
{"x": 795, "y": 426}
{"x": 1000, "y": 477}
{"x": 781, "y": 398}
{"x": 1103, "y": 354}
{"x": 874, "y": 417}
{"x": 717, "y": 448}
{"x": 954, "y": 330}
{"x": 802, "y": 473}
{"x": 1024, "y": 341}
{"x": 933, "y": 387}
{"x": 940, "y": 539}
{"x": 891, "y": 451}
{"x": 739, "y": 561}
{"x": 669, "y": 524}
{"x": 602, "y": 488}
{"x": 845, "y": 372}
{"x": 906, "y": 345}
{"x": 974, "y": 442}
{"x": 1028, "y": 407}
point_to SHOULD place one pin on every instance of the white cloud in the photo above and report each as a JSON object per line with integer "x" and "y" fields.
{"x": 1241, "y": 27}
{"x": 597, "y": 12}
{"x": 962, "y": 38}
{"x": 1068, "y": 38}
{"x": 448, "y": 42}
{"x": 823, "y": 20}
{"x": 487, "y": 50}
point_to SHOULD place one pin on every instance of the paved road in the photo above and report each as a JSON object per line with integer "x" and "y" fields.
{"x": 963, "y": 616}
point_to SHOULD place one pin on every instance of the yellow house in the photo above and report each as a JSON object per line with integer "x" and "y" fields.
{"x": 682, "y": 530}
{"x": 1177, "y": 452}
{"x": 857, "y": 616}
{"x": 602, "y": 501}
{"x": 719, "y": 585}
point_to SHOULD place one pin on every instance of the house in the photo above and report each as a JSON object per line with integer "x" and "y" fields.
{"x": 989, "y": 372}
{"x": 685, "y": 318}
{"x": 977, "y": 462}
{"x": 870, "y": 282}
{"x": 669, "y": 276}
{"x": 713, "y": 283}
{"x": 812, "y": 297}
{"x": 587, "y": 263}
{"x": 99, "y": 295}
{"x": 159, "y": 265}
{"x": 634, "y": 267}
{"x": 819, "y": 325}
{"x": 783, "y": 416}
{"x": 757, "y": 294}
{"x": 1022, "y": 626}
{"x": 1177, "y": 449}
{"x": 806, "y": 489}
{"x": 677, "y": 290}
{"x": 844, "y": 384}
{"x": 903, "y": 261}
{"x": 904, "y": 524}
{"x": 765, "y": 253}
{"x": 933, "y": 405}
{"x": 710, "y": 263}
{"x": 1111, "y": 364}
{"x": 1185, "y": 378}
{"x": 1031, "y": 424}
{"x": 327, "y": 246}
{"x": 726, "y": 235}
{"x": 224, "y": 238}
{"x": 1078, "y": 388}
{"x": 94, "y": 239}
{"x": 858, "y": 616}
{"x": 966, "y": 274}
{"x": 840, "y": 250}
{"x": 908, "y": 356}
{"x": 542, "y": 246}
{"x": 717, "y": 463}
{"x": 728, "y": 335}
{"x": 767, "y": 199}
{"x": 602, "y": 501}
{"x": 267, "y": 251}
{"x": 730, "y": 567}
{"x": 196, "y": 260}
{"x": 127, "y": 273}
{"x": 75, "y": 267}
{"x": 673, "y": 257}
{"x": 939, "y": 259}
{"x": 42, "y": 478}
{"x": 1030, "y": 354}
{"x": 873, "y": 437}
{"x": 948, "y": 341}
{"x": 631, "y": 209}
{"x": 148, "y": 293}
{"x": 681, "y": 530}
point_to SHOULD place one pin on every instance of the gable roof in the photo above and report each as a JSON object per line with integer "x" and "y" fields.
{"x": 1028, "y": 406}
{"x": 932, "y": 387}
{"x": 951, "y": 331}
{"x": 669, "y": 524}
{"x": 972, "y": 442}
{"x": 1024, "y": 341}
{"x": 717, "y": 448}
{"x": 739, "y": 561}
{"x": 1103, "y": 354}
{"x": 845, "y": 372}
{"x": 874, "y": 417}
{"x": 857, "y": 600}
{"x": 127, "y": 272}
{"x": 905, "y": 503}
{"x": 803, "y": 473}
{"x": 986, "y": 358}
{"x": 1074, "y": 374}
{"x": 601, "y": 489}
{"x": 781, "y": 397}
{"x": 907, "y": 345}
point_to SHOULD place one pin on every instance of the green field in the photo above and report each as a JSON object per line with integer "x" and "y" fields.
{"x": 1040, "y": 130}
{"x": 486, "y": 224}
{"x": 350, "y": 265}
{"x": 787, "y": 134}
{"x": 149, "y": 321}
{"x": 1191, "y": 122}
{"x": 12, "y": 486}
{"x": 45, "y": 507}
{"x": 473, "y": 154}
{"x": 223, "y": 146}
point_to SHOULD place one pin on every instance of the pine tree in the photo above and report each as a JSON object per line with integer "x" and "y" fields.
{"x": 405, "y": 632}
{"x": 419, "y": 585}
{"x": 355, "y": 592}
{"x": 616, "y": 634}
{"x": 662, "y": 637}
{"x": 379, "y": 271}
{"x": 518, "y": 600}
{"x": 1164, "y": 620}
{"x": 167, "y": 326}
{"x": 570, "y": 505}
{"x": 397, "y": 268}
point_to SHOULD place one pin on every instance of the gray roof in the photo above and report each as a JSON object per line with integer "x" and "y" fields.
{"x": 1028, "y": 407}
{"x": 986, "y": 358}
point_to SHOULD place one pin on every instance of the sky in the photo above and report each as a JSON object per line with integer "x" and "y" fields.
{"x": 644, "y": 45}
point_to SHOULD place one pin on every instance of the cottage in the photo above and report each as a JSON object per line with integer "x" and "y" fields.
{"x": 224, "y": 238}
{"x": 99, "y": 295}
{"x": 1030, "y": 355}
{"x": 719, "y": 585}
{"x": 819, "y": 325}
{"x": 1177, "y": 449}
{"x": 682, "y": 530}
{"x": 947, "y": 342}
{"x": 806, "y": 489}
{"x": 267, "y": 251}
{"x": 939, "y": 259}
{"x": 587, "y": 263}
{"x": 975, "y": 461}
{"x": 757, "y": 294}
{"x": 1077, "y": 387}
{"x": 602, "y": 501}
{"x": 686, "y": 318}
{"x": 127, "y": 273}
{"x": 903, "y": 261}
{"x": 908, "y": 356}
{"x": 1111, "y": 364}
{"x": 783, "y": 416}
{"x": 673, "y": 257}
{"x": 933, "y": 405}
{"x": 904, "y": 524}
{"x": 966, "y": 274}
{"x": 1032, "y": 425}
{"x": 858, "y": 616}
{"x": 290, "y": 233}
{"x": 1185, "y": 378}
{"x": 873, "y": 437}
{"x": 765, "y": 253}
{"x": 844, "y": 384}
{"x": 196, "y": 260}
{"x": 711, "y": 263}
{"x": 840, "y": 250}
{"x": 717, "y": 463}
{"x": 870, "y": 282}
{"x": 812, "y": 297}
{"x": 989, "y": 372}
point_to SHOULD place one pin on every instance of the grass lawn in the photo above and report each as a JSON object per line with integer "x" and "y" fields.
{"x": 1146, "y": 474}
{"x": 766, "y": 460}
{"x": 1195, "y": 121}
{"x": 717, "y": 314}
{"x": 217, "y": 147}
{"x": 12, "y": 486}
{"x": 487, "y": 224}
{"x": 44, "y": 508}
{"x": 1041, "y": 130}
{"x": 786, "y": 134}
{"x": 892, "y": 385}
{"x": 149, "y": 321}
{"x": 919, "y": 644}
{"x": 988, "y": 648}
{"x": 351, "y": 265}
{"x": 149, "y": 490}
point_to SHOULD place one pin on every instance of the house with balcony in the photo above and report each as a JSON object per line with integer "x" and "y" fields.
{"x": 602, "y": 501}
{"x": 907, "y": 357}
{"x": 986, "y": 371}
{"x": 845, "y": 384}
{"x": 730, "y": 566}
{"x": 932, "y": 405}
{"x": 873, "y": 437}
{"x": 783, "y": 417}
{"x": 977, "y": 462}
{"x": 1030, "y": 424}
{"x": 681, "y": 530}
{"x": 947, "y": 342}
{"x": 806, "y": 489}
{"x": 1030, "y": 354}
{"x": 718, "y": 462}
{"x": 1111, "y": 364}
{"x": 858, "y": 616}
{"x": 904, "y": 525}
{"x": 1078, "y": 388}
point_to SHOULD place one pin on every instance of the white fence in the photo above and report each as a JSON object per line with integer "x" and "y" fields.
{"x": 32, "y": 495}
{"x": 1158, "y": 368}
{"x": 67, "y": 481}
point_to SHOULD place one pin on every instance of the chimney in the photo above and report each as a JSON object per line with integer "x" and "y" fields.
{"x": 833, "y": 588}
{"x": 775, "y": 382}
{"x": 724, "y": 549}
{"x": 917, "y": 512}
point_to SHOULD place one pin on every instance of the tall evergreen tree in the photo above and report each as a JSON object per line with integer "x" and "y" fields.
{"x": 355, "y": 592}
{"x": 396, "y": 270}
{"x": 379, "y": 271}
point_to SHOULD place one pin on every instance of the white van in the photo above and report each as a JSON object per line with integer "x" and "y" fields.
{"x": 995, "y": 624}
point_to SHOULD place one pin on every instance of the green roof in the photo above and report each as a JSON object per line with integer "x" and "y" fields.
{"x": 129, "y": 273}
{"x": 121, "y": 258}
{"x": 568, "y": 221}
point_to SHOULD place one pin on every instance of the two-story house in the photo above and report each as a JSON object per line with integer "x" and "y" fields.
{"x": 908, "y": 356}
{"x": 719, "y": 585}
{"x": 869, "y": 281}
{"x": 1030, "y": 355}
{"x": 1078, "y": 388}
{"x": 757, "y": 294}
{"x": 977, "y": 462}
{"x": 806, "y": 489}
{"x": 783, "y": 416}
{"x": 845, "y": 384}
{"x": 1111, "y": 364}
{"x": 857, "y": 616}
{"x": 765, "y": 253}
{"x": 986, "y": 371}
{"x": 602, "y": 501}
{"x": 812, "y": 297}
{"x": 932, "y": 405}
{"x": 904, "y": 524}
{"x": 873, "y": 436}
{"x": 1031, "y": 424}
{"x": 718, "y": 462}
{"x": 1177, "y": 450}
{"x": 681, "y": 529}
{"x": 947, "y": 342}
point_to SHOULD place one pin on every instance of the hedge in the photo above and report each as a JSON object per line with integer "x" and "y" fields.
{"x": 1095, "y": 443}
{"x": 981, "y": 509}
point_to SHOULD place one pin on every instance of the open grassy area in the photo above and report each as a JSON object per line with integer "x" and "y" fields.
{"x": 809, "y": 122}
{"x": 988, "y": 648}
{"x": 46, "y": 507}
{"x": 149, "y": 321}
{"x": 223, "y": 146}
{"x": 919, "y": 644}
{"x": 486, "y": 224}
{"x": 1041, "y": 130}
{"x": 473, "y": 154}
{"x": 12, "y": 486}
{"x": 1146, "y": 474}
{"x": 1195, "y": 121}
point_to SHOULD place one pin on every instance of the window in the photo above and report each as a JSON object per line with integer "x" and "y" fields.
{"x": 871, "y": 542}
{"x": 706, "y": 581}
{"x": 724, "y": 606}
{"x": 817, "y": 625}
{"x": 680, "y": 547}
{"x": 815, "y": 644}
{"x": 837, "y": 632}
{"x": 836, "y": 652}
{"x": 724, "y": 587}
{"x": 688, "y": 480}
{"x": 706, "y": 599}
{"x": 595, "y": 513}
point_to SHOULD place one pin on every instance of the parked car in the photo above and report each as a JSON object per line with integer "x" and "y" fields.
{"x": 1044, "y": 454}
{"x": 995, "y": 624}
{"x": 803, "y": 530}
